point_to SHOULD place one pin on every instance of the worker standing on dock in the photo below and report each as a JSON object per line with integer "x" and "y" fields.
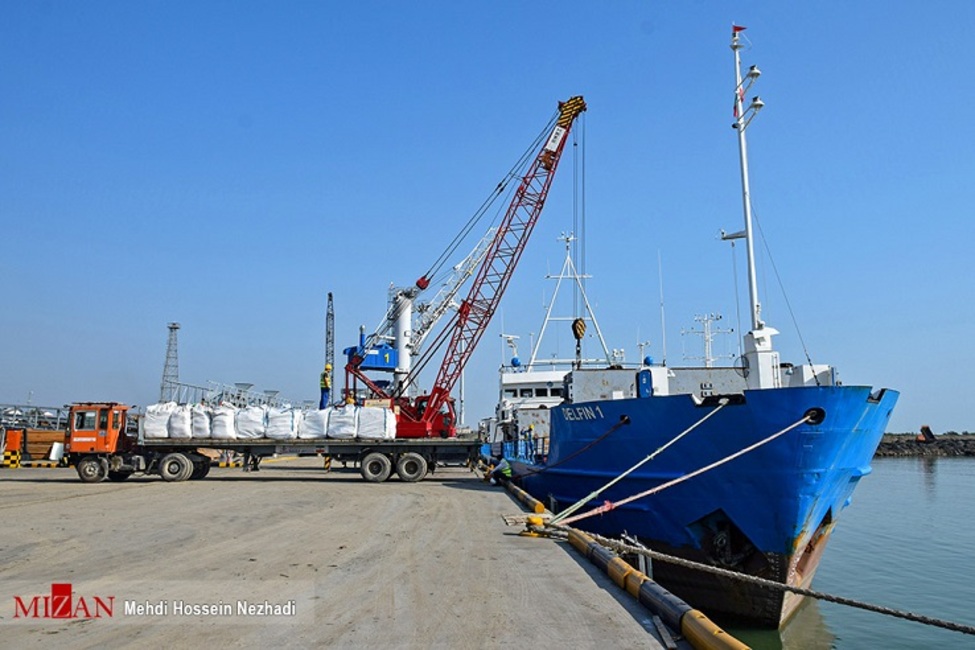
{"x": 501, "y": 472}
{"x": 326, "y": 385}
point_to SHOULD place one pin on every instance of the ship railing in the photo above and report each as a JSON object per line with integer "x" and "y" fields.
{"x": 527, "y": 447}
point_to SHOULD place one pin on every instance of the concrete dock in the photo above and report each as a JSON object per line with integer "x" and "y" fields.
{"x": 293, "y": 557}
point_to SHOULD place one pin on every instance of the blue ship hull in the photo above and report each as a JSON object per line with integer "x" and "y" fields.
{"x": 768, "y": 512}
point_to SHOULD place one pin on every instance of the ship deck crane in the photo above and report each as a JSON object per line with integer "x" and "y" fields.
{"x": 433, "y": 414}
{"x": 424, "y": 316}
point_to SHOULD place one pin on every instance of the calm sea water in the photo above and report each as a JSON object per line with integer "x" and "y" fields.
{"x": 907, "y": 542}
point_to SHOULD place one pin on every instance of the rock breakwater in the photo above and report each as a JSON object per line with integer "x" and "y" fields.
{"x": 947, "y": 444}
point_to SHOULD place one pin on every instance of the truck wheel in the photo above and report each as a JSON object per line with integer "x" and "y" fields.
{"x": 411, "y": 467}
{"x": 201, "y": 467}
{"x": 376, "y": 467}
{"x": 118, "y": 476}
{"x": 175, "y": 467}
{"x": 91, "y": 470}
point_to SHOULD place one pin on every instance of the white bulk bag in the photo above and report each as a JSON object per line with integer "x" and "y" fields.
{"x": 376, "y": 423}
{"x": 156, "y": 421}
{"x": 314, "y": 424}
{"x": 251, "y": 422}
{"x": 282, "y": 424}
{"x": 222, "y": 424}
{"x": 200, "y": 420}
{"x": 342, "y": 422}
{"x": 179, "y": 423}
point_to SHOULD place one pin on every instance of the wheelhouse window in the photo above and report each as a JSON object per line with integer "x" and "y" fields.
{"x": 526, "y": 392}
{"x": 84, "y": 420}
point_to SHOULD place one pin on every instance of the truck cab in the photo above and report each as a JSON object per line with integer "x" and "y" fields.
{"x": 96, "y": 430}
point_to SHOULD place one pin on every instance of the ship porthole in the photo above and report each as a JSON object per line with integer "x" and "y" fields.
{"x": 815, "y": 415}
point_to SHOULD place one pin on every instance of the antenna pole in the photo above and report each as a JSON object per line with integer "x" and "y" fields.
{"x": 663, "y": 319}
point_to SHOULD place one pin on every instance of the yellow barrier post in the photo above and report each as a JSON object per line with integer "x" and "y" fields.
{"x": 11, "y": 459}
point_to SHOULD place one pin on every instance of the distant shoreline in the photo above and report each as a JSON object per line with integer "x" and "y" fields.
{"x": 895, "y": 445}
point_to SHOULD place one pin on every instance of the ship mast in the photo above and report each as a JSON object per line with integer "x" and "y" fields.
{"x": 569, "y": 272}
{"x": 761, "y": 362}
{"x": 741, "y": 124}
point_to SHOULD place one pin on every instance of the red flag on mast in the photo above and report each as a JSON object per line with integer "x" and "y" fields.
{"x": 737, "y": 28}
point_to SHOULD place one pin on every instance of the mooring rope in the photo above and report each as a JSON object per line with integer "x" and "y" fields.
{"x": 592, "y": 495}
{"x": 771, "y": 584}
{"x": 610, "y": 505}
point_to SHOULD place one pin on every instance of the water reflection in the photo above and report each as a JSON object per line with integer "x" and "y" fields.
{"x": 928, "y": 466}
{"x": 806, "y": 631}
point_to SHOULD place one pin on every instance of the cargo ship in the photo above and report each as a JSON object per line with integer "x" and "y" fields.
{"x": 746, "y": 467}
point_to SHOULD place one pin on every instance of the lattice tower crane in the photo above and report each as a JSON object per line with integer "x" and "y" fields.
{"x": 325, "y": 382}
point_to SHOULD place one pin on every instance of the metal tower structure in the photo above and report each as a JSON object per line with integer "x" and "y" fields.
{"x": 326, "y": 377}
{"x": 170, "y": 376}
{"x": 330, "y": 337}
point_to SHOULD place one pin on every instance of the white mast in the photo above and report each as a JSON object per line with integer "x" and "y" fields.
{"x": 402, "y": 312}
{"x": 762, "y": 361}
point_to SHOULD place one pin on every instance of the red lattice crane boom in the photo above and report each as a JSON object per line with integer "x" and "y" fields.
{"x": 433, "y": 414}
{"x": 502, "y": 257}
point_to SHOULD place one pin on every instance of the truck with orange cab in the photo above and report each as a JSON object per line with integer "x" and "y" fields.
{"x": 104, "y": 441}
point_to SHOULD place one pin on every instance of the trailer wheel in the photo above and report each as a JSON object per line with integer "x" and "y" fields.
{"x": 175, "y": 467}
{"x": 201, "y": 467}
{"x": 376, "y": 467}
{"x": 91, "y": 469}
{"x": 118, "y": 476}
{"x": 411, "y": 467}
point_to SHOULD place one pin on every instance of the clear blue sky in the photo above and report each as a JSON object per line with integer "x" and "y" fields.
{"x": 225, "y": 164}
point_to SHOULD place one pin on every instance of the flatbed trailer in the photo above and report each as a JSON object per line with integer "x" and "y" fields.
{"x": 409, "y": 458}
{"x": 99, "y": 446}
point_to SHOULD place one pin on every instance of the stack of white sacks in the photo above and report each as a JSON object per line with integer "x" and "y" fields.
{"x": 225, "y": 422}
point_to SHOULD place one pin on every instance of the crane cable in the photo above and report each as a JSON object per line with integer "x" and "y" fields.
{"x": 523, "y": 160}
{"x": 610, "y": 505}
{"x": 428, "y": 353}
{"x": 592, "y": 495}
{"x": 440, "y": 340}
